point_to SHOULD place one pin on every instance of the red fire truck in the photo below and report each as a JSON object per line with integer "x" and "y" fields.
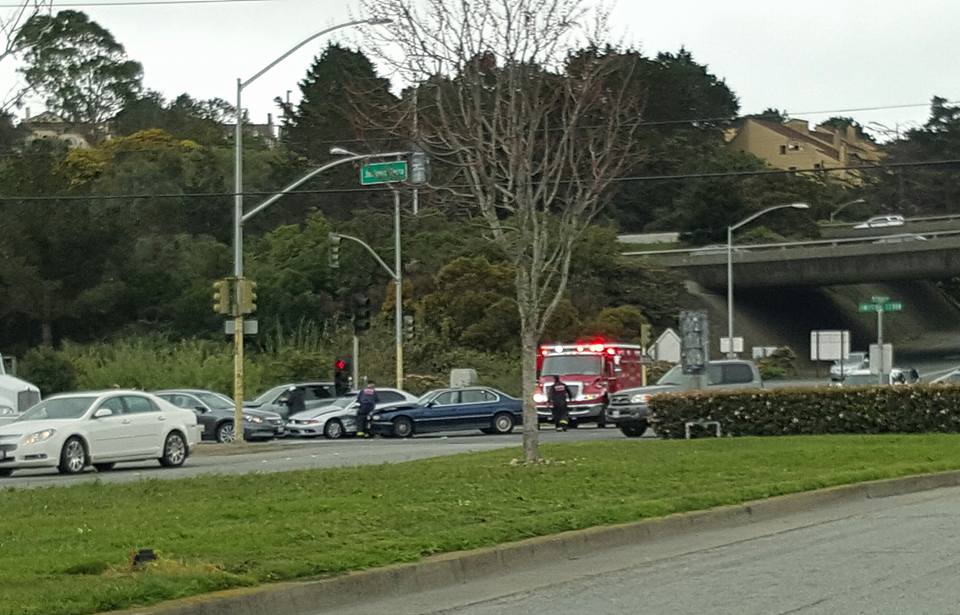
{"x": 593, "y": 370}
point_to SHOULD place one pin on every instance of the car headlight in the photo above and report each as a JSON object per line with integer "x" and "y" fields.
{"x": 39, "y": 436}
{"x": 376, "y": 417}
{"x": 252, "y": 419}
{"x": 640, "y": 398}
{"x": 539, "y": 398}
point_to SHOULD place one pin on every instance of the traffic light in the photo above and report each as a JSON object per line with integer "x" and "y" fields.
{"x": 361, "y": 313}
{"x": 335, "y": 250}
{"x": 222, "y": 298}
{"x": 419, "y": 168}
{"x": 341, "y": 376}
{"x": 248, "y": 296}
{"x": 408, "y": 329}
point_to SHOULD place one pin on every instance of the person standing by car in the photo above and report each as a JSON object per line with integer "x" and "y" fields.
{"x": 368, "y": 400}
{"x": 559, "y": 396}
{"x": 295, "y": 400}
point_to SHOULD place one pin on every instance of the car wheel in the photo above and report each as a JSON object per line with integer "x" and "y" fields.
{"x": 225, "y": 432}
{"x": 73, "y": 456}
{"x": 502, "y": 423}
{"x": 402, "y": 427}
{"x": 634, "y": 430}
{"x": 104, "y": 467}
{"x": 174, "y": 450}
{"x": 333, "y": 429}
{"x": 5, "y": 472}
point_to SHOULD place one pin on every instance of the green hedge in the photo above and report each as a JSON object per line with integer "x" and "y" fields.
{"x": 778, "y": 412}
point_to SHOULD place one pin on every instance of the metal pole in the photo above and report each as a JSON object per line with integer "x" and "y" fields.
{"x": 398, "y": 282}
{"x": 880, "y": 342}
{"x": 730, "y": 353}
{"x": 238, "y": 270}
{"x": 356, "y": 362}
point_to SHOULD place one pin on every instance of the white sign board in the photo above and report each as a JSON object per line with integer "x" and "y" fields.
{"x": 725, "y": 344}
{"x": 762, "y": 352}
{"x": 829, "y": 345}
{"x": 881, "y": 363}
{"x": 667, "y": 347}
{"x": 250, "y": 327}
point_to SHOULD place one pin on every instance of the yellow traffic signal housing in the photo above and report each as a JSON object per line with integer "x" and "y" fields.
{"x": 221, "y": 297}
{"x": 248, "y": 296}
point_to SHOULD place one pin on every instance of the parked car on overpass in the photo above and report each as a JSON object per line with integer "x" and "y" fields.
{"x": 901, "y": 238}
{"x": 882, "y": 221}
{"x": 338, "y": 418}
{"x": 75, "y": 430}
{"x": 215, "y": 413}
{"x": 489, "y": 410}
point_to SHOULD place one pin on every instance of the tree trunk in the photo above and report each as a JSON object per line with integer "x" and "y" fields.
{"x": 46, "y": 333}
{"x": 528, "y": 362}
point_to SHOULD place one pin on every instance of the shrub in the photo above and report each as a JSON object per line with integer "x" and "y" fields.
{"x": 860, "y": 410}
{"x": 48, "y": 370}
{"x": 781, "y": 362}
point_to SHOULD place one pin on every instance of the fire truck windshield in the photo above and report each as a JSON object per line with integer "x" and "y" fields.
{"x": 561, "y": 365}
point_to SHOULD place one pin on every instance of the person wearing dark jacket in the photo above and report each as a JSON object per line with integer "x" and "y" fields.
{"x": 295, "y": 401}
{"x": 559, "y": 395}
{"x": 368, "y": 400}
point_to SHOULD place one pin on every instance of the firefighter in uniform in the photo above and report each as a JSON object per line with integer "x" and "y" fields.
{"x": 368, "y": 400}
{"x": 559, "y": 396}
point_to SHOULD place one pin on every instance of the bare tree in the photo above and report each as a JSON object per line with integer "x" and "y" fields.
{"x": 534, "y": 131}
{"x": 10, "y": 25}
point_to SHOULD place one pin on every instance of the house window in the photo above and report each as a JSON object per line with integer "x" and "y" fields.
{"x": 783, "y": 149}
{"x": 794, "y": 147}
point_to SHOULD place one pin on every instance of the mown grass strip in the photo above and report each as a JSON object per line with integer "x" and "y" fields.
{"x": 65, "y": 551}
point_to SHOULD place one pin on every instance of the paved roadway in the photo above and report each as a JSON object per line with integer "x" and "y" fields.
{"x": 301, "y": 454}
{"x": 884, "y": 556}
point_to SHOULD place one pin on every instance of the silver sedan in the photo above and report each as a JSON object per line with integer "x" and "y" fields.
{"x": 338, "y": 419}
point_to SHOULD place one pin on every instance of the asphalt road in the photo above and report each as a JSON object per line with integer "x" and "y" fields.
{"x": 301, "y": 454}
{"x": 883, "y": 556}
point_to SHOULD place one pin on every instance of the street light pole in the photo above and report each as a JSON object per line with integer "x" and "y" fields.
{"x": 398, "y": 282}
{"x": 730, "y": 353}
{"x": 238, "y": 219}
{"x": 844, "y": 206}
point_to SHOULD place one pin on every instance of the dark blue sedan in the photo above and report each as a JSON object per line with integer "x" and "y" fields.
{"x": 489, "y": 410}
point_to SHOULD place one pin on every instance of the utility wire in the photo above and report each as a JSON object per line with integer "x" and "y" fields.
{"x": 642, "y": 123}
{"x": 136, "y": 3}
{"x": 636, "y": 178}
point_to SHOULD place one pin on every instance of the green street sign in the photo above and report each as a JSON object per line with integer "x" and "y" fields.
{"x": 383, "y": 172}
{"x": 889, "y": 306}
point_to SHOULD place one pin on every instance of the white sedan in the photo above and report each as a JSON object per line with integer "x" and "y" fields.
{"x": 338, "y": 419}
{"x": 74, "y": 431}
{"x": 882, "y": 221}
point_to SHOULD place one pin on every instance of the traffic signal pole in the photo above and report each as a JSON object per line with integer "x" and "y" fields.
{"x": 356, "y": 361}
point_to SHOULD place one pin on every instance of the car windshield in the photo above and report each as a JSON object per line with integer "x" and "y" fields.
{"x": 561, "y": 365}
{"x": 58, "y": 408}
{"x": 215, "y": 401}
{"x": 425, "y": 399}
{"x": 675, "y": 376}
{"x": 269, "y": 395}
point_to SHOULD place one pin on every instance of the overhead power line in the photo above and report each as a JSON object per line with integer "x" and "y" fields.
{"x": 635, "y": 178}
{"x": 136, "y": 3}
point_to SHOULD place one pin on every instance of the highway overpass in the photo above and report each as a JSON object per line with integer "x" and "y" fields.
{"x": 818, "y": 263}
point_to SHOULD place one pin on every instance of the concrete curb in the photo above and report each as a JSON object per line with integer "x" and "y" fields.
{"x": 297, "y": 598}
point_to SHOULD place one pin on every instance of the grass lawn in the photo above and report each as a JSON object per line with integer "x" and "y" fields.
{"x": 66, "y": 550}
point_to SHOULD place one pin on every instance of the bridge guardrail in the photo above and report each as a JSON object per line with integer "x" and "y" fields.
{"x": 784, "y": 245}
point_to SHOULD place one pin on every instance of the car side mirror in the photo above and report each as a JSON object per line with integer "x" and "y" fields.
{"x": 102, "y": 412}
{"x": 200, "y": 409}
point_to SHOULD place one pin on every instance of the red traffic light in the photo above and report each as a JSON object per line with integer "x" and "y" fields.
{"x": 340, "y": 364}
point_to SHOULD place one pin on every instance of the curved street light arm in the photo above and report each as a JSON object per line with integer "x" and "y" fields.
{"x": 273, "y": 199}
{"x": 373, "y": 252}
{"x": 301, "y": 44}
{"x": 753, "y": 217}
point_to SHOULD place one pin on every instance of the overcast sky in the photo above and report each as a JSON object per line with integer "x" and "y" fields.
{"x": 816, "y": 55}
